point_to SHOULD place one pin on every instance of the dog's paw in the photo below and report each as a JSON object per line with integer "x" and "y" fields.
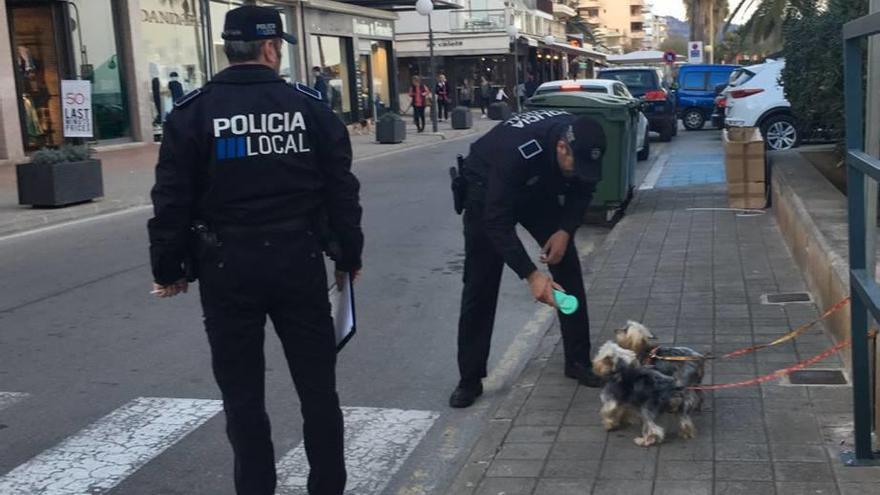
{"x": 610, "y": 425}
{"x": 647, "y": 440}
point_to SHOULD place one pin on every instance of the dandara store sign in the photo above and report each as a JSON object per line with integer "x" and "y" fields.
{"x": 166, "y": 17}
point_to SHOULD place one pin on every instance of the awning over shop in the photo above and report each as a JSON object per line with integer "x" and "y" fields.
{"x": 401, "y": 5}
{"x": 565, "y": 48}
{"x": 640, "y": 57}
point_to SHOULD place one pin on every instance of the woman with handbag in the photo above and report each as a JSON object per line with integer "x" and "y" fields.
{"x": 419, "y": 94}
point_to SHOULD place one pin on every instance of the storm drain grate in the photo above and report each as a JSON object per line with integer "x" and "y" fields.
{"x": 817, "y": 377}
{"x": 787, "y": 298}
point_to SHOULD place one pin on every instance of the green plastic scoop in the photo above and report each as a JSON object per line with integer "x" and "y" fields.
{"x": 567, "y": 304}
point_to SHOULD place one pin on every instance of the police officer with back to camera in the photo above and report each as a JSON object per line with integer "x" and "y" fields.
{"x": 247, "y": 165}
{"x": 538, "y": 169}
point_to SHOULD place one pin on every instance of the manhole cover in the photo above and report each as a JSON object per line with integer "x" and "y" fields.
{"x": 787, "y": 298}
{"x": 817, "y": 377}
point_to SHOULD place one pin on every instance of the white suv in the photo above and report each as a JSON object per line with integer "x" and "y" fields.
{"x": 755, "y": 99}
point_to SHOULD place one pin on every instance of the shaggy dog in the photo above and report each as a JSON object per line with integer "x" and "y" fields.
{"x": 633, "y": 388}
{"x": 636, "y": 337}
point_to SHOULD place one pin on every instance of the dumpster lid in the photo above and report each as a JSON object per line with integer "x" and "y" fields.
{"x": 577, "y": 99}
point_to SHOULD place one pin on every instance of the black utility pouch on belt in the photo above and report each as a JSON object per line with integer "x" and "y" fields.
{"x": 203, "y": 245}
{"x": 459, "y": 185}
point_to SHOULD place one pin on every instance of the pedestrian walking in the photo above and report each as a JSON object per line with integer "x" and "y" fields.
{"x": 247, "y": 168}
{"x": 442, "y": 92}
{"x": 174, "y": 87}
{"x": 320, "y": 82}
{"x": 465, "y": 94}
{"x": 515, "y": 174}
{"x": 419, "y": 95}
{"x": 485, "y": 95}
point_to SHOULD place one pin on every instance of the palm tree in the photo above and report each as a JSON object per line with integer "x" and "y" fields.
{"x": 697, "y": 13}
{"x": 765, "y": 24}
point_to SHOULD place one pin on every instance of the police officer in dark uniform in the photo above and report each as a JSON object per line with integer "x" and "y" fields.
{"x": 248, "y": 165}
{"x": 538, "y": 169}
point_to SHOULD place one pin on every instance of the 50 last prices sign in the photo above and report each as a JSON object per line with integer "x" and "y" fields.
{"x": 76, "y": 104}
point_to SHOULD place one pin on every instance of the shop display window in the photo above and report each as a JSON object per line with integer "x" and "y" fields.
{"x": 37, "y": 72}
{"x": 332, "y": 55}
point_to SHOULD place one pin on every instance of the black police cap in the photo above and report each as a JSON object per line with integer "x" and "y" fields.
{"x": 252, "y": 23}
{"x": 588, "y": 146}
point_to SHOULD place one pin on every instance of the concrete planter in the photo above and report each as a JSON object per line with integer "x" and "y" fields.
{"x": 390, "y": 129}
{"x": 59, "y": 184}
{"x": 462, "y": 118}
{"x": 499, "y": 111}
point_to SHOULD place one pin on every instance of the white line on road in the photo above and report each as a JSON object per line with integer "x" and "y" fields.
{"x": 9, "y": 398}
{"x": 101, "y": 456}
{"x": 79, "y": 221}
{"x": 377, "y": 442}
{"x": 654, "y": 174}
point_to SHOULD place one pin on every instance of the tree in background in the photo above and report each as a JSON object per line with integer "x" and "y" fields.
{"x": 766, "y": 25}
{"x": 674, "y": 43}
{"x": 813, "y": 51}
{"x": 698, "y": 15}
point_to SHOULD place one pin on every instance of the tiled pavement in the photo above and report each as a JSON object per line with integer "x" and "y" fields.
{"x": 696, "y": 278}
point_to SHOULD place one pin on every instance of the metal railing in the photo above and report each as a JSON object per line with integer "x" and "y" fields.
{"x": 478, "y": 20}
{"x": 863, "y": 286}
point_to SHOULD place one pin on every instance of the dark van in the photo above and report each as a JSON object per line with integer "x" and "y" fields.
{"x": 696, "y": 92}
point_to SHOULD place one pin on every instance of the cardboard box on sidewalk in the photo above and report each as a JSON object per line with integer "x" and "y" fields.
{"x": 744, "y": 162}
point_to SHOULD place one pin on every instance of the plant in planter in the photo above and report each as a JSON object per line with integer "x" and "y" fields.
{"x": 59, "y": 177}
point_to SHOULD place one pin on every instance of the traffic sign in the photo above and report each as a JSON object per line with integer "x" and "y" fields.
{"x": 695, "y": 52}
{"x": 670, "y": 57}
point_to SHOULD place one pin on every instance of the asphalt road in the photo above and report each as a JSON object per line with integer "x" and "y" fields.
{"x": 81, "y": 336}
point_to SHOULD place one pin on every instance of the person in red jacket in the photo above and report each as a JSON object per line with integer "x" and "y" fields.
{"x": 419, "y": 93}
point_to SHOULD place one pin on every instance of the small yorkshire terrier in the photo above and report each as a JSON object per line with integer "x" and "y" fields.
{"x": 633, "y": 388}
{"x": 636, "y": 337}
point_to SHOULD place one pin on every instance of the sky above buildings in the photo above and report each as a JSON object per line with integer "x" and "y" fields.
{"x": 676, "y": 8}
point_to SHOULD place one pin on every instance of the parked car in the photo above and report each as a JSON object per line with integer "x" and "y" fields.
{"x": 647, "y": 84}
{"x": 755, "y": 99}
{"x": 605, "y": 87}
{"x": 695, "y": 93}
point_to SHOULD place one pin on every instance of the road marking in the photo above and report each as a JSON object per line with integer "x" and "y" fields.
{"x": 74, "y": 223}
{"x": 101, "y": 456}
{"x": 9, "y": 398}
{"x": 654, "y": 174}
{"x": 377, "y": 443}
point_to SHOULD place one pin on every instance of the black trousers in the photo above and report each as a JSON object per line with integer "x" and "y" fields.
{"x": 443, "y": 109}
{"x": 419, "y": 118}
{"x": 483, "y": 266}
{"x": 281, "y": 276}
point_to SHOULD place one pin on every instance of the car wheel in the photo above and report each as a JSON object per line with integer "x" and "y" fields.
{"x": 780, "y": 132}
{"x": 693, "y": 119}
{"x": 646, "y": 149}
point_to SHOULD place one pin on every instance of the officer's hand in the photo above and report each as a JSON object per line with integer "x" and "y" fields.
{"x": 341, "y": 277}
{"x": 181, "y": 286}
{"x": 554, "y": 249}
{"x": 542, "y": 287}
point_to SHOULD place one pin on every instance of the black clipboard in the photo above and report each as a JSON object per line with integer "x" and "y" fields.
{"x": 344, "y": 316}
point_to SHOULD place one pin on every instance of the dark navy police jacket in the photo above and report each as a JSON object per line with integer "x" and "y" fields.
{"x": 515, "y": 164}
{"x": 250, "y": 150}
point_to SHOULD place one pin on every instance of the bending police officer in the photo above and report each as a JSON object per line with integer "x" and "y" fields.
{"x": 252, "y": 162}
{"x": 516, "y": 174}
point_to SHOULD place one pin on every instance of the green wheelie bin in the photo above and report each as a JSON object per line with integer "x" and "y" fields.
{"x": 619, "y": 118}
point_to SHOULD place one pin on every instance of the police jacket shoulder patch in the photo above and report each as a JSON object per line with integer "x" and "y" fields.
{"x": 308, "y": 90}
{"x": 185, "y": 99}
{"x": 530, "y": 149}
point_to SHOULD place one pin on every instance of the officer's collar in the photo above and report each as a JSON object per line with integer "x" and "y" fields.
{"x": 246, "y": 74}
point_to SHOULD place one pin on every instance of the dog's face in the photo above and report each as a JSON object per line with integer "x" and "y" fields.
{"x": 634, "y": 336}
{"x": 611, "y": 357}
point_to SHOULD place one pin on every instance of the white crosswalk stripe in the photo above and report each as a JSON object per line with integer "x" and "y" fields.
{"x": 105, "y": 453}
{"x": 9, "y": 398}
{"x": 377, "y": 442}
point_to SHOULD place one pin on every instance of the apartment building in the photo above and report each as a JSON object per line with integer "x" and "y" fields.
{"x": 619, "y": 25}
{"x": 656, "y": 30}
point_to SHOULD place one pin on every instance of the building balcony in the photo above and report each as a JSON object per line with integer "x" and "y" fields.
{"x": 561, "y": 10}
{"x": 478, "y": 21}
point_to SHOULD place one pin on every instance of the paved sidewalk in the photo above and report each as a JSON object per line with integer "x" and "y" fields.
{"x": 696, "y": 278}
{"x": 128, "y": 177}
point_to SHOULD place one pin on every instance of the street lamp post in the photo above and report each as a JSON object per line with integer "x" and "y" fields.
{"x": 513, "y": 33}
{"x": 550, "y": 41}
{"x": 425, "y": 7}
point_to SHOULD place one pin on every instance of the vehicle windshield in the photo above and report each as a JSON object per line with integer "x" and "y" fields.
{"x": 636, "y": 81}
{"x": 585, "y": 89}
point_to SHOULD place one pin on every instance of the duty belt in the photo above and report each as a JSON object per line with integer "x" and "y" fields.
{"x": 285, "y": 226}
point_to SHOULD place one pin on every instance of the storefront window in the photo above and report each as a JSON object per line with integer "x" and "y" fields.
{"x": 172, "y": 41}
{"x": 219, "y": 8}
{"x": 331, "y": 54}
{"x": 94, "y": 48}
{"x": 37, "y": 71}
{"x": 380, "y": 61}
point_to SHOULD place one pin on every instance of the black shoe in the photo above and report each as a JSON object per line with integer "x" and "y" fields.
{"x": 464, "y": 396}
{"x": 583, "y": 373}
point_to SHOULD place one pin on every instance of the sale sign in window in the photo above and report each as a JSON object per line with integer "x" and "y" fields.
{"x": 76, "y": 104}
